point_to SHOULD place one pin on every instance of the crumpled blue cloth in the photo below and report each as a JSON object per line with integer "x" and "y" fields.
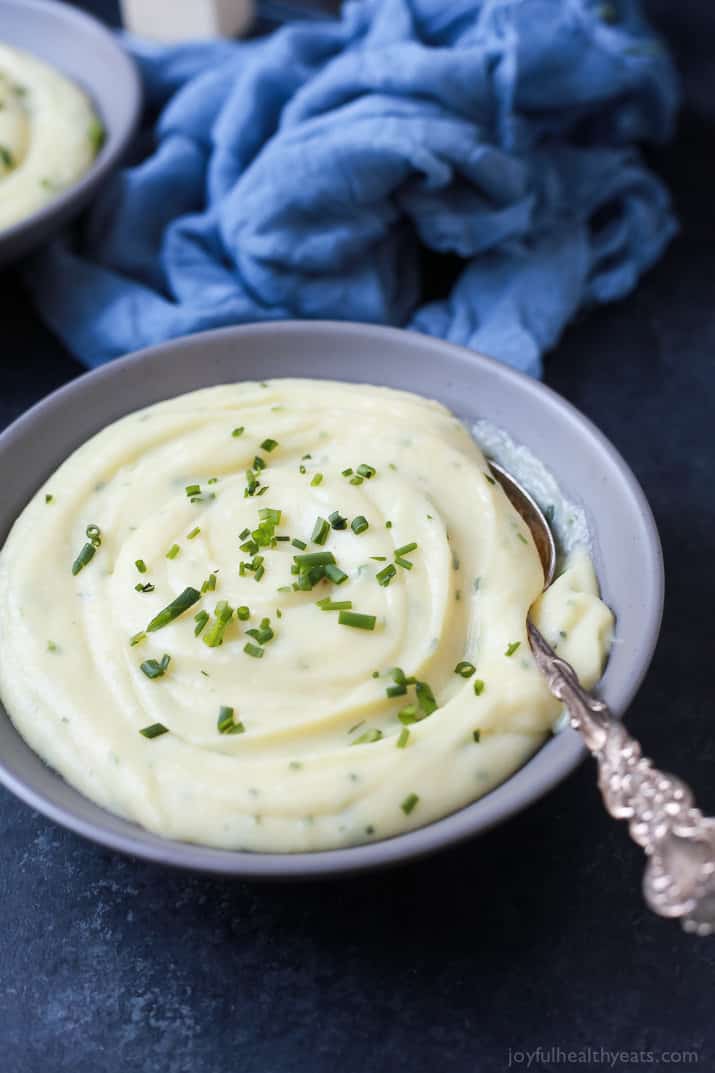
{"x": 298, "y": 175}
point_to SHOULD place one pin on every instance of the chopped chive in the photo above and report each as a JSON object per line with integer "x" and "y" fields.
{"x": 522, "y": 538}
{"x": 259, "y": 463}
{"x": 358, "y": 621}
{"x": 194, "y": 533}
{"x": 238, "y": 431}
{"x": 317, "y": 479}
{"x": 388, "y": 525}
{"x": 409, "y": 715}
{"x": 295, "y": 765}
{"x": 368, "y": 737}
{"x": 375, "y": 674}
{"x": 268, "y": 514}
{"x": 259, "y": 572}
{"x": 337, "y": 520}
{"x": 147, "y": 587}
{"x": 335, "y": 574}
{"x": 409, "y": 803}
{"x": 283, "y": 539}
{"x": 155, "y": 730}
{"x": 140, "y": 565}
{"x": 181, "y": 603}
{"x": 226, "y": 722}
{"x": 490, "y": 479}
{"x": 403, "y": 738}
{"x": 406, "y": 548}
{"x": 212, "y": 480}
{"x": 200, "y": 619}
{"x": 223, "y": 613}
{"x": 193, "y": 490}
{"x": 299, "y": 543}
{"x": 263, "y": 633}
{"x": 155, "y": 668}
{"x": 302, "y": 469}
{"x": 314, "y": 558}
{"x": 269, "y": 445}
{"x": 404, "y": 563}
{"x": 137, "y": 638}
{"x": 359, "y": 524}
{"x": 96, "y": 134}
{"x": 49, "y": 498}
{"x": 320, "y": 531}
{"x": 347, "y": 472}
{"x": 425, "y": 698}
{"x": 244, "y": 534}
{"x": 396, "y": 691}
{"x": 303, "y": 457}
{"x": 243, "y": 613}
{"x": 262, "y": 491}
{"x": 512, "y": 648}
{"x": 85, "y": 556}
{"x": 465, "y": 668}
{"x": 253, "y": 650}
{"x": 385, "y": 576}
{"x": 338, "y": 605}
{"x": 356, "y": 480}
{"x": 478, "y": 687}
{"x": 379, "y": 558}
{"x": 477, "y": 735}
{"x": 356, "y": 727}
{"x": 209, "y": 584}
{"x": 173, "y": 551}
{"x": 366, "y": 471}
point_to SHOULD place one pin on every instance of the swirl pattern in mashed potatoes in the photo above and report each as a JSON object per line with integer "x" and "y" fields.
{"x": 298, "y": 731}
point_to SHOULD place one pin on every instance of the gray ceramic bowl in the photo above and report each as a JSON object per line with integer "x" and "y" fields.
{"x": 82, "y": 48}
{"x": 626, "y": 546}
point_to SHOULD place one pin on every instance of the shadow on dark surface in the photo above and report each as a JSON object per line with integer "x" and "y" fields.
{"x": 535, "y": 934}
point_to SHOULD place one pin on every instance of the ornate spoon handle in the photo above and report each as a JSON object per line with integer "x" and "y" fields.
{"x": 679, "y": 841}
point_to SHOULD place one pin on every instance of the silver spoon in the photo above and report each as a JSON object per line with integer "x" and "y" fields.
{"x": 678, "y": 840}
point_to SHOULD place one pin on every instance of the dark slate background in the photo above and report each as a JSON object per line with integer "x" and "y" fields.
{"x": 532, "y": 936}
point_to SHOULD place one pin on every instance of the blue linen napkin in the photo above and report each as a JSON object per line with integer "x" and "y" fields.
{"x": 297, "y": 176}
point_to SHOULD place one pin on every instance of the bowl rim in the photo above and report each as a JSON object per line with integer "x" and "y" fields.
{"x": 448, "y": 831}
{"x": 117, "y": 141}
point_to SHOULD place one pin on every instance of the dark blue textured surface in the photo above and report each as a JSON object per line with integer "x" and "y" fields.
{"x": 533, "y": 935}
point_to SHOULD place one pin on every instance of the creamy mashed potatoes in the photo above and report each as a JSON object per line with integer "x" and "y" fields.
{"x": 167, "y": 647}
{"x": 49, "y": 134}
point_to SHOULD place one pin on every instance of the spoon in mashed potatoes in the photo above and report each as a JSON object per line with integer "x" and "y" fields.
{"x": 678, "y": 840}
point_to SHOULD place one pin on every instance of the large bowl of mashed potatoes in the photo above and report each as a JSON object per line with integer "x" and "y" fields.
{"x": 263, "y": 604}
{"x": 69, "y": 104}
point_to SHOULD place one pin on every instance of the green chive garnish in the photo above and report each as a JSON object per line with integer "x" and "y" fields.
{"x": 406, "y": 549}
{"x": 269, "y": 445}
{"x": 200, "y": 619}
{"x": 512, "y": 648}
{"x": 477, "y": 735}
{"x": 359, "y": 524}
{"x": 385, "y": 576}
{"x": 223, "y": 613}
{"x": 259, "y": 463}
{"x": 337, "y": 520}
{"x": 141, "y": 566}
{"x": 366, "y": 471}
{"x": 194, "y": 533}
{"x": 156, "y": 729}
{"x": 155, "y": 668}
{"x": 409, "y": 715}
{"x": 368, "y": 737}
{"x": 314, "y": 558}
{"x": 210, "y": 584}
{"x": 85, "y": 556}
{"x": 137, "y": 638}
{"x": 409, "y": 803}
{"x": 147, "y": 587}
{"x": 338, "y": 605}
{"x": 173, "y": 551}
{"x": 465, "y": 668}
{"x": 490, "y": 479}
{"x": 212, "y": 480}
{"x": 226, "y": 722}
{"x": 425, "y": 698}
{"x": 238, "y": 431}
{"x": 356, "y": 620}
{"x": 193, "y": 490}
{"x": 299, "y": 543}
{"x": 403, "y": 738}
{"x": 335, "y": 574}
{"x": 356, "y": 480}
{"x": 253, "y": 650}
{"x": 243, "y": 613}
{"x": 347, "y": 472}
{"x": 404, "y": 563}
{"x": 317, "y": 479}
{"x": 396, "y": 691}
{"x": 49, "y": 498}
{"x": 177, "y": 607}
{"x": 388, "y": 525}
{"x": 478, "y": 687}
